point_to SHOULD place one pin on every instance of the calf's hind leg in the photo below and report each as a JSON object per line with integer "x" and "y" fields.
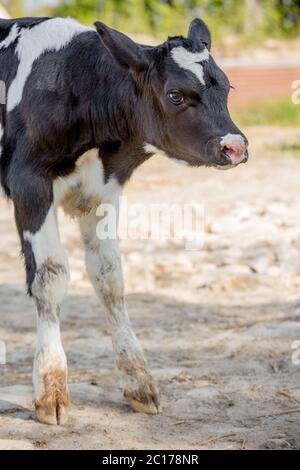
{"x": 47, "y": 279}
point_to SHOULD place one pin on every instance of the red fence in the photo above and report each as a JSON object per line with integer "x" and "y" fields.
{"x": 257, "y": 84}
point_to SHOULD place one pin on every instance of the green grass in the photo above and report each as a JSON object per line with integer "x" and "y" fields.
{"x": 278, "y": 112}
{"x": 294, "y": 147}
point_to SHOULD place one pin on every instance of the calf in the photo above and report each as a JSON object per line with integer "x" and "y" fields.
{"x": 82, "y": 109}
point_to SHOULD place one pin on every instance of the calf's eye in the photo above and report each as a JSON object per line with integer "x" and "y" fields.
{"x": 176, "y": 97}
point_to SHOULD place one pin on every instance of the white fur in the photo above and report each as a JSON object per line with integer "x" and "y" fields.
{"x": 191, "y": 60}
{"x": 46, "y": 242}
{"x": 49, "y": 336}
{"x": 49, "y": 352}
{"x": 89, "y": 174}
{"x": 180, "y": 162}
{"x": 105, "y": 270}
{"x": 149, "y": 148}
{"x": 12, "y": 36}
{"x": 50, "y": 35}
{"x": 45, "y": 245}
{"x": 231, "y": 139}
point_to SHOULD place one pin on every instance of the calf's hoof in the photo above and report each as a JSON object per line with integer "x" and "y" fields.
{"x": 52, "y": 406}
{"x": 144, "y": 398}
{"x": 55, "y": 415}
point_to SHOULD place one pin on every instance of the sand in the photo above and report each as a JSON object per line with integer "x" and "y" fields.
{"x": 217, "y": 324}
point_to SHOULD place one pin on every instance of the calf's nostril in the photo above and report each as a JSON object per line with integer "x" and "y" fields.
{"x": 234, "y": 150}
{"x": 229, "y": 149}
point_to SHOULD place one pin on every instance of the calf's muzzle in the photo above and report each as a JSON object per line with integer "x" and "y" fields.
{"x": 234, "y": 149}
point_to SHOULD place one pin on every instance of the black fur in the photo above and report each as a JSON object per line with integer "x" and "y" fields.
{"x": 107, "y": 93}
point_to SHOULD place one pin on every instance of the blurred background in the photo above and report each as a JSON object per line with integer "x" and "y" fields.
{"x": 246, "y": 18}
{"x": 256, "y": 41}
{"x": 218, "y": 325}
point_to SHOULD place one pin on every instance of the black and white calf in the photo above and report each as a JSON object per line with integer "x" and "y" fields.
{"x": 82, "y": 110}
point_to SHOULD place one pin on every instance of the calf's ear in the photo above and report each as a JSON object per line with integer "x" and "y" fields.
{"x": 126, "y": 52}
{"x": 199, "y": 32}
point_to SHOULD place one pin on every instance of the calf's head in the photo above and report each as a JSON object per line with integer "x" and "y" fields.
{"x": 182, "y": 97}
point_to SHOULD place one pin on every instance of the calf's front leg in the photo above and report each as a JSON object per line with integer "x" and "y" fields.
{"x": 104, "y": 268}
{"x": 47, "y": 278}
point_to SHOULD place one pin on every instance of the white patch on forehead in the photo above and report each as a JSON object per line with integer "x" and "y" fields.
{"x": 229, "y": 139}
{"x": 12, "y": 36}
{"x": 50, "y": 35}
{"x": 191, "y": 60}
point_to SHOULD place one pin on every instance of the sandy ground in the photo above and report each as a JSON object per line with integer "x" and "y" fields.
{"x": 217, "y": 324}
